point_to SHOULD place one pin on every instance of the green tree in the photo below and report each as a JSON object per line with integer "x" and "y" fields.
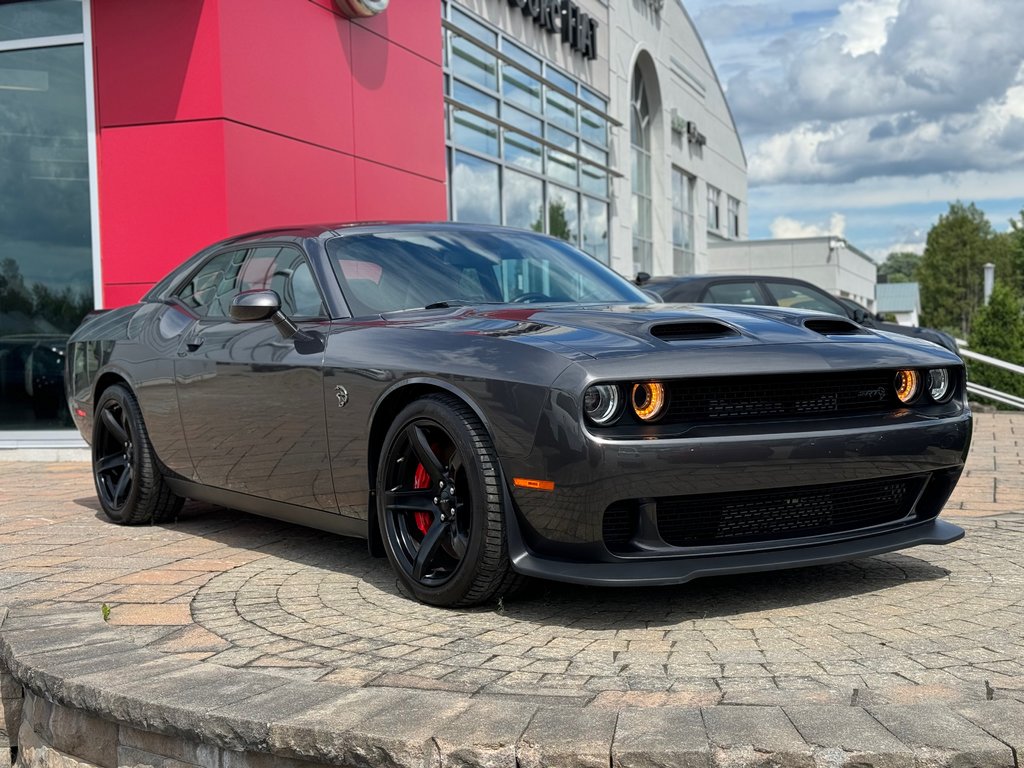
{"x": 998, "y": 331}
{"x": 558, "y": 223}
{"x": 899, "y": 267}
{"x": 951, "y": 272}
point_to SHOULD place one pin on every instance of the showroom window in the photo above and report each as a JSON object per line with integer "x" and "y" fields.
{"x": 683, "y": 260}
{"x": 640, "y": 142}
{"x": 46, "y": 266}
{"x": 734, "y": 217}
{"x": 714, "y": 209}
{"x": 527, "y": 144}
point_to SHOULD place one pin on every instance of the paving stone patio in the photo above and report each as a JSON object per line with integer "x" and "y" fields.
{"x": 932, "y": 626}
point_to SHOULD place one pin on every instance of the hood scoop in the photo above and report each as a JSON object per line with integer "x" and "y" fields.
{"x": 696, "y": 330}
{"x": 829, "y": 327}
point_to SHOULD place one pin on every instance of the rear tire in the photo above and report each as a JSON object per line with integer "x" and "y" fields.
{"x": 440, "y": 505}
{"x": 129, "y": 484}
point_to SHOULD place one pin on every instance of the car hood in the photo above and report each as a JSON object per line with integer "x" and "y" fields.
{"x": 604, "y": 330}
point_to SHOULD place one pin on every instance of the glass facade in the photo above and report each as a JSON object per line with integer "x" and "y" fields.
{"x": 46, "y": 272}
{"x": 714, "y": 209}
{"x": 683, "y": 258}
{"x": 640, "y": 141}
{"x": 527, "y": 144}
{"x": 734, "y": 217}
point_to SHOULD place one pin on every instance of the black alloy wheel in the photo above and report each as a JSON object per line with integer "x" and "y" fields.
{"x": 129, "y": 484}
{"x": 440, "y": 507}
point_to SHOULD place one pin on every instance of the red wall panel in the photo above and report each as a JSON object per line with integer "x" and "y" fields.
{"x": 398, "y": 105}
{"x": 274, "y": 180}
{"x": 222, "y": 116}
{"x": 161, "y": 197}
{"x": 286, "y": 69}
{"x": 388, "y": 194}
{"x": 408, "y": 30}
{"x": 156, "y": 61}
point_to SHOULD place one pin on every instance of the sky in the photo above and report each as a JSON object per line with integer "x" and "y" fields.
{"x": 866, "y": 118}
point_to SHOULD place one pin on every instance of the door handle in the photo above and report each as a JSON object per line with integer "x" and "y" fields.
{"x": 195, "y": 344}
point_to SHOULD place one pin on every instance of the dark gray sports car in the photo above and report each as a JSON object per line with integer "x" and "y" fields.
{"x": 482, "y": 404}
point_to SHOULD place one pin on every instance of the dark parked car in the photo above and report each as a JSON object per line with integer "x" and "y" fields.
{"x": 782, "y": 292}
{"x": 482, "y": 403}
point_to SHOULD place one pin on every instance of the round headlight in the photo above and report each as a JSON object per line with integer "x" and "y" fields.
{"x": 648, "y": 400}
{"x": 601, "y": 403}
{"x": 939, "y": 384}
{"x": 907, "y": 383}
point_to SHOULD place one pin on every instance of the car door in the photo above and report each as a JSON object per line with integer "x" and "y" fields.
{"x": 252, "y": 400}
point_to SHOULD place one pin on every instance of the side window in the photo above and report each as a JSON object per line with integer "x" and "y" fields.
{"x": 211, "y": 289}
{"x": 286, "y": 271}
{"x": 733, "y": 293}
{"x": 797, "y": 296}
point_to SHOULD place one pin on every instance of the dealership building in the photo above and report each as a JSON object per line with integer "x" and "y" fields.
{"x": 134, "y": 132}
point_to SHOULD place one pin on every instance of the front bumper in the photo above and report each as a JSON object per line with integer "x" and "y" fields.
{"x": 658, "y": 572}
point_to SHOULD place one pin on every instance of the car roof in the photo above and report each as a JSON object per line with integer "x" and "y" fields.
{"x": 329, "y": 230}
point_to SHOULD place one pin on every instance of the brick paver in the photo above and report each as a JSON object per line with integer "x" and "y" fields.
{"x": 933, "y": 624}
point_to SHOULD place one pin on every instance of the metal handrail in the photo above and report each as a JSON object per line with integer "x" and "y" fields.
{"x": 987, "y": 392}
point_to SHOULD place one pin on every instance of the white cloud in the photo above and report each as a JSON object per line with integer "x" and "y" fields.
{"x": 886, "y": 87}
{"x": 865, "y": 25}
{"x": 784, "y": 227}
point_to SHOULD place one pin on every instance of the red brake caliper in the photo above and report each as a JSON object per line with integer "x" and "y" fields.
{"x": 419, "y": 482}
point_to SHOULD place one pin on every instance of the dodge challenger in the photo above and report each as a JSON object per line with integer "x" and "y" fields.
{"x": 483, "y": 404}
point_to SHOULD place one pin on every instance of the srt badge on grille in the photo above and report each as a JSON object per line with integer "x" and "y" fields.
{"x": 872, "y": 394}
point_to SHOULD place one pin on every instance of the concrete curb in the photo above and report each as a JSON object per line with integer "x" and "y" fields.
{"x": 73, "y": 660}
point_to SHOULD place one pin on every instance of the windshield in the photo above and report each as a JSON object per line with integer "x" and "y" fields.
{"x": 409, "y": 269}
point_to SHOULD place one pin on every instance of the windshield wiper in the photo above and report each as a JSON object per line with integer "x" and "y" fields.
{"x": 447, "y": 303}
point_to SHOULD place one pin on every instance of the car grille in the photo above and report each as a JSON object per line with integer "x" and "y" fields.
{"x": 735, "y": 518}
{"x": 620, "y": 524}
{"x": 728, "y": 399}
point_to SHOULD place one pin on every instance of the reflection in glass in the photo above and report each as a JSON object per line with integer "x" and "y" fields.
{"x": 474, "y": 28}
{"x": 593, "y": 180}
{"x": 475, "y": 133}
{"x": 595, "y": 229}
{"x": 560, "y": 110}
{"x": 531, "y": 126}
{"x": 562, "y": 167}
{"x": 45, "y": 241}
{"x": 40, "y": 18}
{"x": 524, "y": 201}
{"x": 473, "y": 63}
{"x": 475, "y": 190}
{"x": 640, "y": 150}
{"x": 563, "y": 214}
{"x": 524, "y": 152}
{"x": 593, "y": 127}
{"x": 520, "y": 56}
{"x": 520, "y": 88}
{"x": 682, "y": 223}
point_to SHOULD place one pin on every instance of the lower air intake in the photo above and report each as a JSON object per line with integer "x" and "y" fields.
{"x": 693, "y": 521}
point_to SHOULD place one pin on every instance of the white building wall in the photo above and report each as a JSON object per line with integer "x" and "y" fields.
{"x": 680, "y": 80}
{"x": 830, "y": 263}
{"x": 683, "y": 80}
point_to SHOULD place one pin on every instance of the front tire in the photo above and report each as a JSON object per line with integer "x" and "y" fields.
{"x": 129, "y": 484}
{"x": 440, "y": 505}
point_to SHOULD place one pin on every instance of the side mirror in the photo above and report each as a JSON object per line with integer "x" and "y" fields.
{"x": 250, "y": 306}
{"x": 860, "y": 316}
{"x": 642, "y": 277}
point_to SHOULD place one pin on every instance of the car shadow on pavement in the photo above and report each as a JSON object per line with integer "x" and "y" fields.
{"x": 555, "y": 604}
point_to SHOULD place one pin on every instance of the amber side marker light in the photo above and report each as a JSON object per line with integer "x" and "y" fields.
{"x": 907, "y": 384}
{"x": 536, "y": 485}
{"x": 648, "y": 400}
